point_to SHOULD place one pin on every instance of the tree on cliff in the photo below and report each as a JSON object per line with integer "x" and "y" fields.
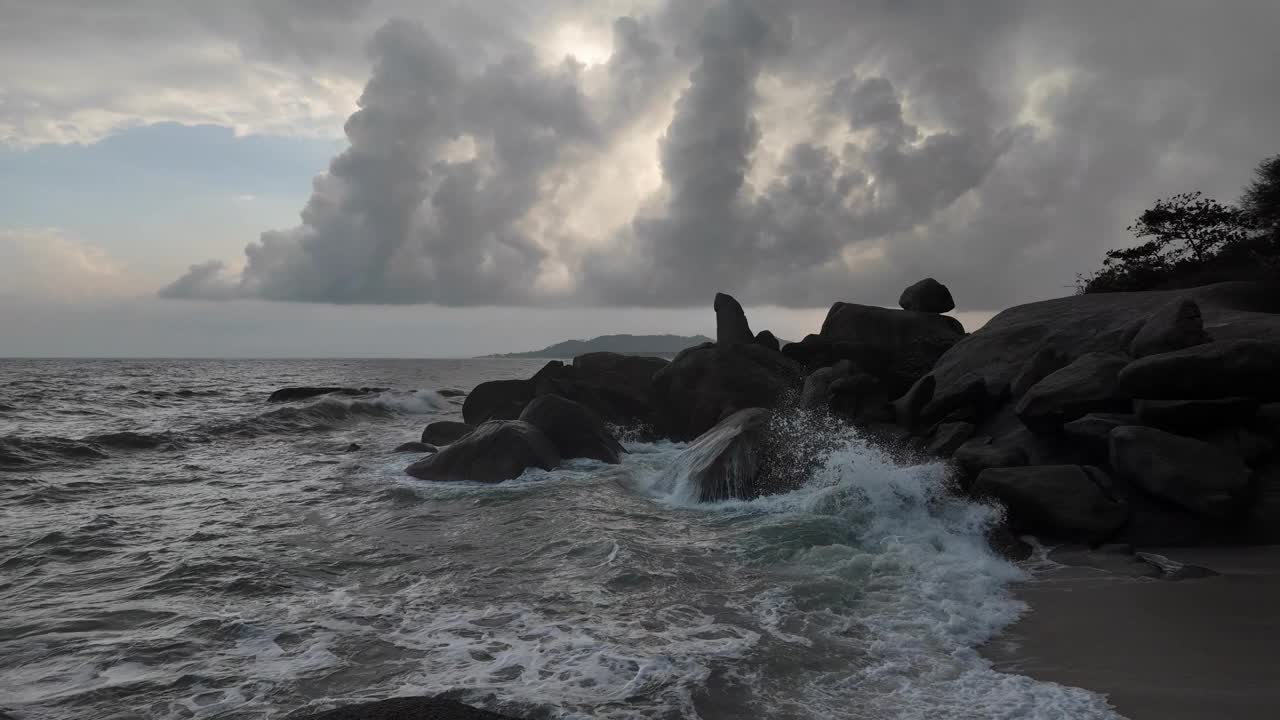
{"x": 1192, "y": 240}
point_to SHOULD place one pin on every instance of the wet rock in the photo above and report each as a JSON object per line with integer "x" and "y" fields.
{"x": 444, "y": 432}
{"x": 1220, "y": 369}
{"x": 1187, "y": 472}
{"x": 1066, "y": 502}
{"x": 704, "y": 384}
{"x": 1096, "y": 427}
{"x": 574, "y": 429}
{"x": 498, "y": 450}
{"x": 948, "y": 437}
{"x": 907, "y": 409}
{"x": 929, "y": 296}
{"x": 415, "y": 447}
{"x": 980, "y": 454}
{"x": 1086, "y": 385}
{"x": 731, "y": 321}
{"x": 969, "y": 395}
{"x": 728, "y": 461}
{"x": 290, "y": 394}
{"x": 1190, "y": 416}
{"x": 617, "y": 387}
{"x": 817, "y": 386}
{"x": 1174, "y": 326}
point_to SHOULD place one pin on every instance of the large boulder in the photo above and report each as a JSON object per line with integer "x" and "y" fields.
{"x": 731, "y": 321}
{"x": 1190, "y": 416}
{"x": 705, "y": 384}
{"x": 898, "y": 346}
{"x": 1173, "y": 326}
{"x": 1225, "y": 368}
{"x": 574, "y": 429}
{"x": 1066, "y": 502}
{"x": 980, "y": 454}
{"x": 1095, "y": 428}
{"x": 766, "y": 339}
{"x": 617, "y": 387}
{"x": 1045, "y": 362}
{"x": 498, "y": 450}
{"x": 505, "y": 399}
{"x": 1086, "y": 385}
{"x": 444, "y": 432}
{"x": 948, "y": 437}
{"x": 929, "y": 296}
{"x": 968, "y": 400}
{"x": 726, "y": 462}
{"x": 817, "y": 385}
{"x": 908, "y": 408}
{"x": 1186, "y": 472}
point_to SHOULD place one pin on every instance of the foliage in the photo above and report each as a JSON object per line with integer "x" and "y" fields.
{"x": 1262, "y": 198}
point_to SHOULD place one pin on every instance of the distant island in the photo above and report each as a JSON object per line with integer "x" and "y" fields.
{"x": 623, "y": 344}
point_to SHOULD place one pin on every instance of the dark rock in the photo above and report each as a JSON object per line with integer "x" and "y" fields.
{"x": 574, "y": 429}
{"x": 1095, "y": 428}
{"x": 766, "y": 339}
{"x": 498, "y": 450}
{"x": 1225, "y": 368}
{"x": 404, "y": 708}
{"x": 1155, "y": 523}
{"x": 969, "y": 395}
{"x": 353, "y": 447}
{"x": 302, "y": 393}
{"x": 1174, "y": 326}
{"x": 728, "y": 461}
{"x": 907, "y": 409}
{"x": 929, "y": 296}
{"x": 1174, "y": 570}
{"x": 817, "y": 386}
{"x": 1086, "y": 385}
{"x": 705, "y": 384}
{"x": 1194, "y": 415}
{"x": 451, "y": 393}
{"x": 897, "y": 346}
{"x": 980, "y": 454}
{"x": 1263, "y": 523}
{"x": 861, "y": 397}
{"x": 1045, "y": 362}
{"x": 1244, "y": 443}
{"x": 617, "y": 387}
{"x": 1008, "y": 545}
{"x": 501, "y": 399}
{"x": 1067, "y": 502}
{"x": 731, "y": 321}
{"x": 1269, "y": 416}
{"x": 1187, "y": 472}
{"x": 444, "y": 432}
{"x": 415, "y": 447}
{"x": 948, "y": 437}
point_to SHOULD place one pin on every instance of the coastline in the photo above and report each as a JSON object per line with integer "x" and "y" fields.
{"x": 1159, "y": 649}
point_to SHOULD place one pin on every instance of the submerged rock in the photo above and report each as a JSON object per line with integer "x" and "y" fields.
{"x": 574, "y": 429}
{"x": 415, "y": 447}
{"x": 444, "y": 432}
{"x": 498, "y": 450}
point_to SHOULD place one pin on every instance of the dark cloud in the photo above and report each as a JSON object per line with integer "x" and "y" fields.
{"x": 815, "y": 151}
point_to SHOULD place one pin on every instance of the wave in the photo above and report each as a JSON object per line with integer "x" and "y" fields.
{"x": 332, "y": 411}
{"x": 27, "y": 452}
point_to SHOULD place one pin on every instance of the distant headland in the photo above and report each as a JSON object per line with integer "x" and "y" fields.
{"x": 656, "y": 345}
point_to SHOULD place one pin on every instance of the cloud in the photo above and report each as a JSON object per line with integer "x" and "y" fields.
{"x": 791, "y": 153}
{"x": 45, "y": 264}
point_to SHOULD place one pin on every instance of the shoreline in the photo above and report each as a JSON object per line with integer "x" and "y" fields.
{"x": 1158, "y": 649}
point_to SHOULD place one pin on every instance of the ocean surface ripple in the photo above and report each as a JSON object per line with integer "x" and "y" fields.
{"x": 171, "y": 546}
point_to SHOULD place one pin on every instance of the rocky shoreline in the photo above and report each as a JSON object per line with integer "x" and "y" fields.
{"x": 1149, "y": 419}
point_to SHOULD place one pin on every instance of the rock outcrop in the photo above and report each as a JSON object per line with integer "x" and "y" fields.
{"x": 1174, "y": 326}
{"x": 929, "y": 296}
{"x": 1224, "y": 368}
{"x": 1186, "y": 472}
{"x": 1066, "y": 502}
{"x": 1086, "y": 385}
{"x": 705, "y": 384}
{"x": 444, "y": 432}
{"x": 731, "y": 321}
{"x": 498, "y": 450}
{"x": 897, "y": 346}
{"x": 575, "y": 430}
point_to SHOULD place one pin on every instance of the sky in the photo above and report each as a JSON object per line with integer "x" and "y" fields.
{"x": 319, "y": 178}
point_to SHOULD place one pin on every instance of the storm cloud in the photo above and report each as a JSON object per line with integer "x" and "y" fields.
{"x": 793, "y": 154}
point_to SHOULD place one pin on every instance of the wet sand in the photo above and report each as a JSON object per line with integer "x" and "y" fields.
{"x": 1159, "y": 649}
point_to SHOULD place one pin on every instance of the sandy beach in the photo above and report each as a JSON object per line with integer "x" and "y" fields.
{"x": 1159, "y": 649}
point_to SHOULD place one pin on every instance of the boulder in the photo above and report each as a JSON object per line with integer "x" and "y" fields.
{"x": 969, "y": 397}
{"x": 815, "y": 393}
{"x": 1086, "y": 385}
{"x": 290, "y": 394}
{"x": 907, "y": 409}
{"x": 416, "y": 447}
{"x": 1225, "y": 368}
{"x": 1186, "y": 472}
{"x": 766, "y": 339}
{"x": 731, "y": 321}
{"x": 1251, "y": 447}
{"x": 980, "y": 454}
{"x": 929, "y": 296}
{"x": 897, "y": 346}
{"x": 1045, "y": 362}
{"x": 574, "y": 429}
{"x": 1190, "y": 416}
{"x": 1173, "y": 326}
{"x": 948, "y": 437}
{"x": 404, "y": 708}
{"x": 617, "y": 387}
{"x": 1095, "y": 428}
{"x": 1067, "y": 502}
{"x": 443, "y": 432}
{"x": 726, "y": 462}
{"x": 705, "y": 384}
{"x": 860, "y": 397}
{"x": 498, "y": 450}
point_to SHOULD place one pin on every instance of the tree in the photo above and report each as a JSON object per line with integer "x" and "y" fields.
{"x": 1261, "y": 198}
{"x": 1189, "y": 225}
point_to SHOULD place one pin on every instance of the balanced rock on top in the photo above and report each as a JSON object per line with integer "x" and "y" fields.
{"x": 928, "y": 295}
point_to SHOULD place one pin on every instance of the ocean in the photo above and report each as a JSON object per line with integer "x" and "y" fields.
{"x": 173, "y": 546}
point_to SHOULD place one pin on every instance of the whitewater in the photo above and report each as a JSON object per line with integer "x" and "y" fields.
{"x": 173, "y": 546}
